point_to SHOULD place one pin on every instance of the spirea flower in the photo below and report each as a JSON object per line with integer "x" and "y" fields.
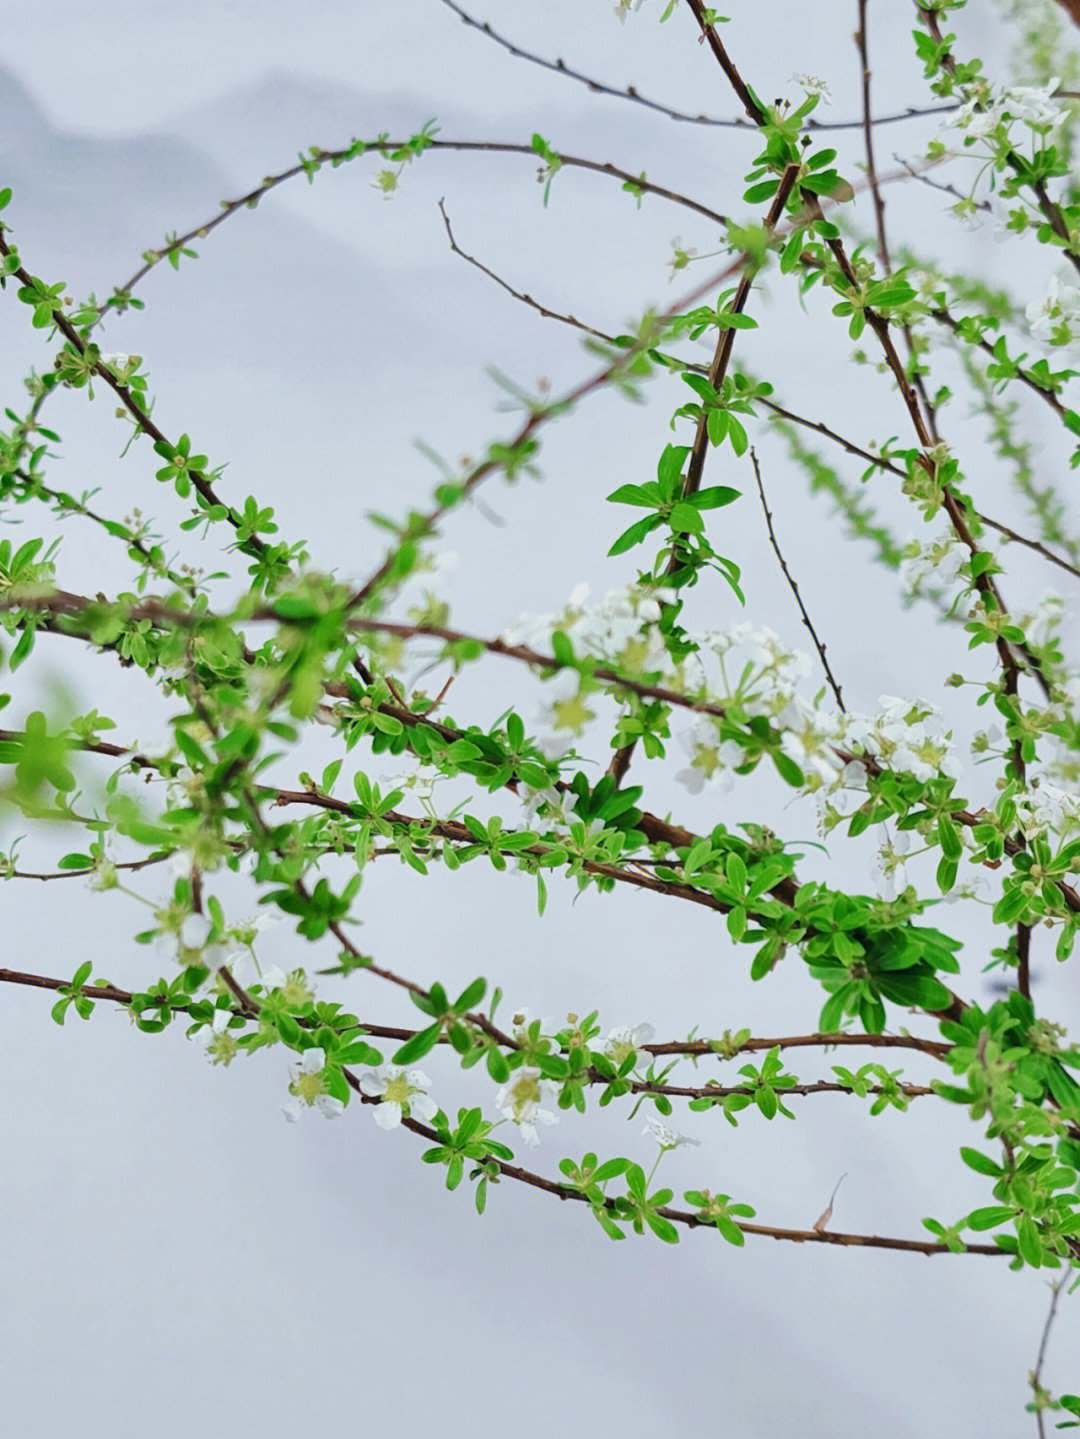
{"x": 400, "y": 1092}
{"x": 623, "y": 1041}
{"x": 308, "y": 1088}
{"x": 665, "y": 1136}
{"x": 521, "y": 1099}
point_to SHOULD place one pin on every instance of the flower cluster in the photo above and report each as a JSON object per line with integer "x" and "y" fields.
{"x": 980, "y": 115}
{"x": 939, "y": 560}
{"x": 1045, "y": 808}
{"x": 618, "y": 630}
{"x": 1055, "y": 320}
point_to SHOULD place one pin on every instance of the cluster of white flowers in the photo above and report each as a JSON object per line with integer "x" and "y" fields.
{"x": 618, "y": 629}
{"x": 1055, "y": 320}
{"x": 624, "y": 8}
{"x": 1045, "y": 808}
{"x": 1030, "y": 105}
{"x": 907, "y": 736}
{"x": 938, "y": 560}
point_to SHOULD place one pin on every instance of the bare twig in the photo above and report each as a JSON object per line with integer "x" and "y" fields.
{"x": 1035, "y": 1378}
{"x": 794, "y": 588}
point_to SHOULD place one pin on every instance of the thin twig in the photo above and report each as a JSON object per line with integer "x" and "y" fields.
{"x": 559, "y": 67}
{"x": 1036, "y": 1373}
{"x": 818, "y": 426}
{"x": 774, "y": 543}
{"x": 620, "y": 761}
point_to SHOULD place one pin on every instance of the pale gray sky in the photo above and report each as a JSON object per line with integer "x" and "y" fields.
{"x": 178, "y": 1260}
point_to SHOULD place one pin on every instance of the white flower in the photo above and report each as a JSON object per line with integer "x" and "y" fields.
{"x": 221, "y": 1042}
{"x": 247, "y": 971}
{"x": 710, "y": 758}
{"x": 1003, "y": 212}
{"x": 560, "y": 801}
{"x": 1046, "y": 807}
{"x": 665, "y": 1136}
{"x": 521, "y": 1098}
{"x": 624, "y": 7}
{"x": 1056, "y": 319}
{"x": 565, "y": 708}
{"x": 891, "y": 865}
{"x": 624, "y": 1041}
{"x": 938, "y": 560}
{"x": 813, "y": 86}
{"x": 421, "y": 785}
{"x": 243, "y": 934}
{"x": 308, "y": 1088}
{"x": 400, "y": 1092}
{"x": 1033, "y": 105}
{"x": 103, "y": 876}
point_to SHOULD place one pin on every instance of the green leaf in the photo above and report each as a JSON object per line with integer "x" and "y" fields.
{"x": 686, "y": 519}
{"x": 1027, "y": 1237}
{"x": 471, "y": 996}
{"x": 661, "y": 1227}
{"x": 714, "y": 497}
{"x": 635, "y": 534}
{"x": 644, "y": 495}
{"x": 420, "y": 1044}
{"x": 989, "y": 1217}
{"x": 981, "y": 1163}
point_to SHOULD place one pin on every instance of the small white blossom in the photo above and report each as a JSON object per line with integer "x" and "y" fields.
{"x": 938, "y": 560}
{"x": 308, "y": 1088}
{"x": 624, "y": 1041}
{"x": 891, "y": 865}
{"x": 195, "y": 931}
{"x": 521, "y": 1099}
{"x": 221, "y": 1042}
{"x": 711, "y": 759}
{"x": 400, "y": 1092}
{"x": 813, "y": 86}
{"x": 665, "y": 1136}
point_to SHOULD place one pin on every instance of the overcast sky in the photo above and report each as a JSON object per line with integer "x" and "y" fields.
{"x": 180, "y": 1261}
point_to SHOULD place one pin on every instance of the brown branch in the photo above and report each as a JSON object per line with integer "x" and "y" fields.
{"x": 868, "y": 138}
{"x": 654, "y": 828}
{"x": 1050, "y": 210}
{"x": 696, "y": 1048}
{"x": 818, "y": 426}
{"x": 253, "y": 545}
{"x": 1035, "y": 1378}
{"x": 620, "y": 761}
{"x": 924, "y": 425}
{"x": 559, "y": 67}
